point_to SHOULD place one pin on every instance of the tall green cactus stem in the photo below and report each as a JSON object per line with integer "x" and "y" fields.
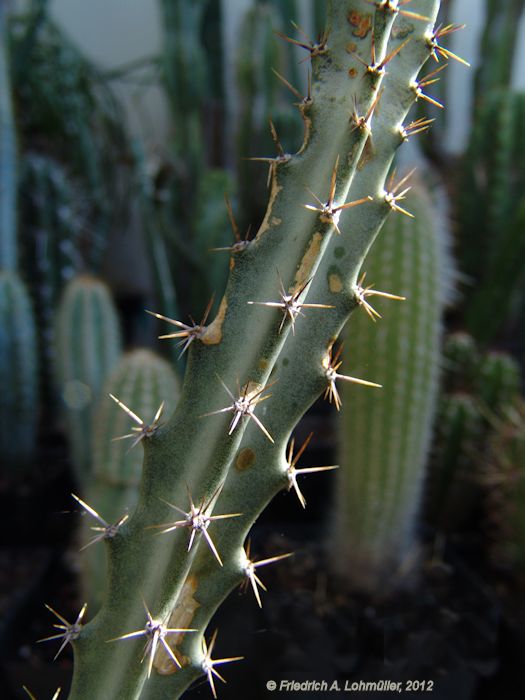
{"x": 145, "y": 381}
{"x": 88, "y": 346}
{"x": 385, "y": 437}
{"x": 8, "y": 243}
{"x": 452, "y": 489}
{"x": 242, "y": 345}
{"x": 18, "y": 374}
{"x": 500, "y": 32}
{"x": 488, "y": 199}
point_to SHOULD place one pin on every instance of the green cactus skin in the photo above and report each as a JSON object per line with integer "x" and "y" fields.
{"x": 460, "y": 361}
{"x": 143, "y": 380}
{"x": 505, "y": 480}
{"x": 488, "y": 199}
{"x": 498, "y": 41}
{"x": 18, "y": 374}
{"x": 8, "y": 159}
{"x": 385, "y": 436}
{"x": 453, "y": 480}
{"x": 242, "y": 345}
{"x": 88, "y": 346}
{"x": 498, "y": 380}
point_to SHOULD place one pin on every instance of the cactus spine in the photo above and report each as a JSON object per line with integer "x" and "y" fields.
{"x": 385, "y": 437}
{"x": 145, "y": 381}
{"x": 234, "y": 450}
{"x": 88, "y": 346}
{"x": 18, "y": 373}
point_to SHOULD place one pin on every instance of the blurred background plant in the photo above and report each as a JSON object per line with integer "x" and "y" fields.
{"x": 99, "y": 222}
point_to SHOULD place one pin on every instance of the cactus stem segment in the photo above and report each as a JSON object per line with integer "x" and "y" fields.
{"x": 188, "y": 333}
{"x": 243, "y": 406}
{"x": 328, "y": 213}
{"x": 68, "y": 632}
{"x": 106, "y": 530}
{"x": 145, "y": 430}
{"x": 393, "y": 196}
{"x": 250, "y": 575}
{"x": 332, "y": 365}
{"x": 156, "y": 633}
{"x": 208, "y": 664}
{"x": 292, "y": 471}
{"x": 438, "y": 50}
{"x": 363, "y": 292}
{"x": 198, "y": 520}
{"x": 290, "y": 304}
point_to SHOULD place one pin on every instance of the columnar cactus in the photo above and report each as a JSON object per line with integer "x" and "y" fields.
{"x": 385, "y": 437}
{"x": 18, "y": 373}
{"x": 88, "y": 346}
{"x": 211, "y": 469}
{"x": 8, "y": 242}
{"x": 148, "y": 383}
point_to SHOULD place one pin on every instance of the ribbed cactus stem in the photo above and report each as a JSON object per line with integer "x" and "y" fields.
{"x": 8, "y": 160}
{"x": 88, "y": 346}
{"x": 18, "y": 374}
{"x": 147, "y": 382}
{"x": 453, "y": 483}
{"x": 385, "y": 436}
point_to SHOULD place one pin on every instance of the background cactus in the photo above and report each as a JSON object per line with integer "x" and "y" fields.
{"x": 88, "y": 346}
{"x": 145, "y": 381}
{"x": 8, "y": 165}
{"x": 18, "y": 374}
{"x": 385, "y": 437}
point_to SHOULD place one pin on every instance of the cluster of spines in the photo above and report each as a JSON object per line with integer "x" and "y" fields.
{"x": 213, "y": 335}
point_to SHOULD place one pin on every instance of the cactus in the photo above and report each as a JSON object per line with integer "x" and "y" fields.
{"x": 499, "y": 37}
{"x": 224, "y": 452}
{"x": 18, "y": 373}
{"x": 8, "y": 170}
{"x": 385, "y": 438}
{"x": 505, "y": 480}
{"x": 460, "y": 361}
{"x": 498, "y": 380}
{"x": 145, "y": 381}
{"x": 88, "y": 346}
{"x": 453, "y": 488}
{"x": 492, "y": 180}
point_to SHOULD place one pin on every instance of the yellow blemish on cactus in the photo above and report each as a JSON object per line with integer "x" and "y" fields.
{"x": 213, "y": 333}
{"x": 361, "y": 22}
{"x": 351, "y": 47}
{"x": 335, "y": 283}
{"x": 232, "y": 262}
{"x": 181, "y": 618}
{"x": 268, "y": 218}
{"x": 352, "y": 72}
{"x": 275, "y": 221}
{"x": 262, "y": 364}
{"x": 245, "y": 459}
{"x": 308, "y": 260}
